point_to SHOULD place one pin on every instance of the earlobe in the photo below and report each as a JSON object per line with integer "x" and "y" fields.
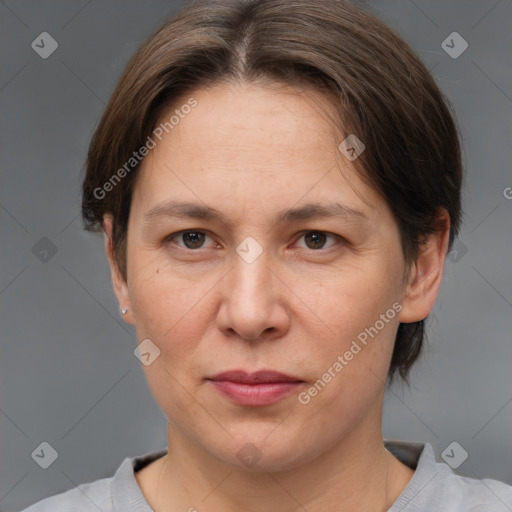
{"x": 119, "y": 284}
{"x": 426, "y": 273}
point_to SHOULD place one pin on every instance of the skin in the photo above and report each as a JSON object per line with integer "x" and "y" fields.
{"x": 251, "y": 151}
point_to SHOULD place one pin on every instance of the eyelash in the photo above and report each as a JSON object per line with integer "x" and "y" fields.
{"x": 169, "y": 239}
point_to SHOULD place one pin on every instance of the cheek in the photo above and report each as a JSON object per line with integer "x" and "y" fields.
{"x": 171, "y": 311}
{"x": 351, "y": 366}
{"x": 174, "y": 313}
{"x": 358, "y": 324}
{"x": 344, "y": 304}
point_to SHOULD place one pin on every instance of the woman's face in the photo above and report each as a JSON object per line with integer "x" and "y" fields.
{"x": 289, "y": 263}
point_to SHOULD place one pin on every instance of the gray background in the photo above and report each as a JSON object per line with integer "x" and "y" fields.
{"x": 68, "y": 375}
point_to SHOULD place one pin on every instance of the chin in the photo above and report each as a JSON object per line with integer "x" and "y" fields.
{"x": 257, "y": 450}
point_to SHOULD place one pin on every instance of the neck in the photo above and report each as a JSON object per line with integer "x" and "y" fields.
{"x": 356, "y": 474}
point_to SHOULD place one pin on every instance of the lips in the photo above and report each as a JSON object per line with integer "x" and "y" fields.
{"x": 262, "y": 376}
{"x": 260, "y": 388}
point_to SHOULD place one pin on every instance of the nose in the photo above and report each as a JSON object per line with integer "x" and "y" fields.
{"x": 253, "y": 302}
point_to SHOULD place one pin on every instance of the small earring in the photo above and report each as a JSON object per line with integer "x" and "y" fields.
{"x": 124, "y": 311}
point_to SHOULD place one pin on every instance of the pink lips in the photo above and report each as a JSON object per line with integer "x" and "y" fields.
{"x": 260, "y": 388}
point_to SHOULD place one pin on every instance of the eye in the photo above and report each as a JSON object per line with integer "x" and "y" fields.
{"x": 317, "y": 239}
{"x": 189, "y": 239}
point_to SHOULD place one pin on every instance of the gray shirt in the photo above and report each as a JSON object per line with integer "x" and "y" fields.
{"x": 433, "y": 488}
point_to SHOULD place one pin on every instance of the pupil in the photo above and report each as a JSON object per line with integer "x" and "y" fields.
{"x": 317, "y": 240}
{"x": 193, "y": 240}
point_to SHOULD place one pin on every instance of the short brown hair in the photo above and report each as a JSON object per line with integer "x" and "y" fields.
{"x": 385, "y": 96}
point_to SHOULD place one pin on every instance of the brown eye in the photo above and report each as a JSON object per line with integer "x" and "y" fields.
{"x": 190, "y": 240}
{"x": 315, "y": 239}
{"x": 193, "y": 239}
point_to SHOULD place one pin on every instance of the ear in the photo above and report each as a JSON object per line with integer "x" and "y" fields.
{"x": 118, "y": 282}
{"x": 426, "y": 273}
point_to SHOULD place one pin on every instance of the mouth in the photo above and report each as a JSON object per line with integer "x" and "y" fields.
{"x": 260, "y": 388}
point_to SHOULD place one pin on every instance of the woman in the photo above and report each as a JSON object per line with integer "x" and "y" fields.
{"x": 279, "y": 184}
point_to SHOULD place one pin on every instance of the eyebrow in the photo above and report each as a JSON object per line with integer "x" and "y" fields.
{"x": 319, "y": 210}
{"x": 185, "y": 210}
{"x": 190, "y": 210}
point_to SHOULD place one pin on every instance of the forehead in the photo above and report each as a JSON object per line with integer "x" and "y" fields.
{"x": 248, "y": 118}
{"x": 252, "y": 144}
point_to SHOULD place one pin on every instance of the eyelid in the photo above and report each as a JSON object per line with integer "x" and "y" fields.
{"x": 169, "y": 239}
{"x": 337, "y": 238}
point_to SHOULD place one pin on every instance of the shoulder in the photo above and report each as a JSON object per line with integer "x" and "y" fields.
{"x": 472, "y": 494}
{"x": 88, "y": 497}
{"x": 119, "y": 493}
{"x": 435, "y": 486}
